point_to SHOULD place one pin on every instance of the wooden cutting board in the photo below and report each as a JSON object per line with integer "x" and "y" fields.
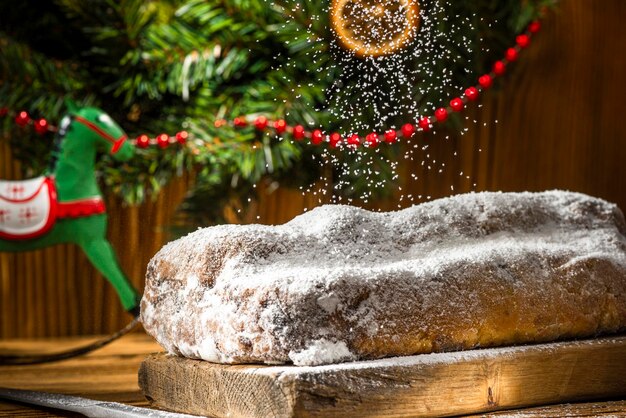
{"x": 439, "y": 384}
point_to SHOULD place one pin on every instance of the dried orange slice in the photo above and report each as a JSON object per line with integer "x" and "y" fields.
{"x": 374, "y": 27}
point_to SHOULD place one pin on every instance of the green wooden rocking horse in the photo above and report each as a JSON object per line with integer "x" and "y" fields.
{"x": 65, "y": 205}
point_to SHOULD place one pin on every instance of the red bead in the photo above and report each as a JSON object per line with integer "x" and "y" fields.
{"x": 240, "y": 122}
{"x": 298, "y": 132}
{"x": 424, "y": 123}
{"x": 4, "y": 111}
{"x": 391, "y": 136}
{"x": 143, "y": 141}
{"x": 534, "y": 27}
{"x": 441, "y": 114}
{"x": 471, "y": 93}
{"x": 41, "y": 126}
{"x": 317, "y": 137}
{"x": 280, "y": 126}
{"x": 260, "y": 123}
{"x": 181, "y": 137}
{"x": 511, "y": 54}
{"x": 163, "y": 140}
{"x": 334, "y": 140}
{"x": 22, "y": 118}
{"x": 499, "y": 68}
{"x": 408, "y": 130}
{"x": 522, "y": 41}
{"x": 456, "y": 104}
{"x": 485, "y": 81}
{"x": 372, "y": 140}
{"x": 354, "y": 141}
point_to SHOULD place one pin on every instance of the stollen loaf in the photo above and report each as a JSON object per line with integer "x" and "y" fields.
{"x": 340, "y": 283}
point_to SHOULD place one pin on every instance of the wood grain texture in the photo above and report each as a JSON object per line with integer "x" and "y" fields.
{"x": 612, "y": 409}
{"x": 442, "y": 384}
{"x": 109, "y": 374}
{"x": 554, "y": 122}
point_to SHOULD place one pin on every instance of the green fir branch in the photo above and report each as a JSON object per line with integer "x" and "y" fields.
{"x": 166, "y": 65}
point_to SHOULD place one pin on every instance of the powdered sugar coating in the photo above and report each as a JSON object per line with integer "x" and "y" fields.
{"x": 340, "y": 283}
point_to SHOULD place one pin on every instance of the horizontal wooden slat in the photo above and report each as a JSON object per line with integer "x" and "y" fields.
{"x": 106, "y": 374}
{"x": 442, "y": 384}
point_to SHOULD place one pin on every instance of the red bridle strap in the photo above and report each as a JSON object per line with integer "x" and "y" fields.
{"x": 117, "y": 143}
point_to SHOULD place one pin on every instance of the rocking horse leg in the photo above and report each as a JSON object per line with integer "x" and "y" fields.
{"x": 101, "y": 255}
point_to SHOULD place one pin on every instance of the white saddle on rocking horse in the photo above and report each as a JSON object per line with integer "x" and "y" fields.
{"x": 27, "y": 207}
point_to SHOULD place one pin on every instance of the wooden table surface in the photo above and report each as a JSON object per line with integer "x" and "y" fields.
{"x": 110, "y": 374}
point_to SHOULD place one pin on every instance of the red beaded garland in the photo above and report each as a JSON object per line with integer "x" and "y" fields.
{"x": 485, "y": 81}
{"x": 534, "y": 26}
{"x": 408, "y": 130}
{"x": 260, "y": 123}
{"x": 142, "y": 141}
{"x": 163, "y": 140}
{"x": 41, "y": 126}
{"x": 22, "y": 118}
{"x": 181, "y": 137}
{"x": 471, "y": 93}
{"x": 372, "y": 140}
{"x": 298, "y": 132}
{"x": 424, "y": 123}
{"x": 456, "y": 104}
{"x": 499, "y": 68}
{"x": 511, "y": 54}
{"x": 522, "y": 40}
{"x": 280, "y": 126}
{"x": 317, "y": 137}
{"x": 390, "y": 136}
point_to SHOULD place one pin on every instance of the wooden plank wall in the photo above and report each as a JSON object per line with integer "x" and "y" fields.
{"x": 556, "y": 122}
